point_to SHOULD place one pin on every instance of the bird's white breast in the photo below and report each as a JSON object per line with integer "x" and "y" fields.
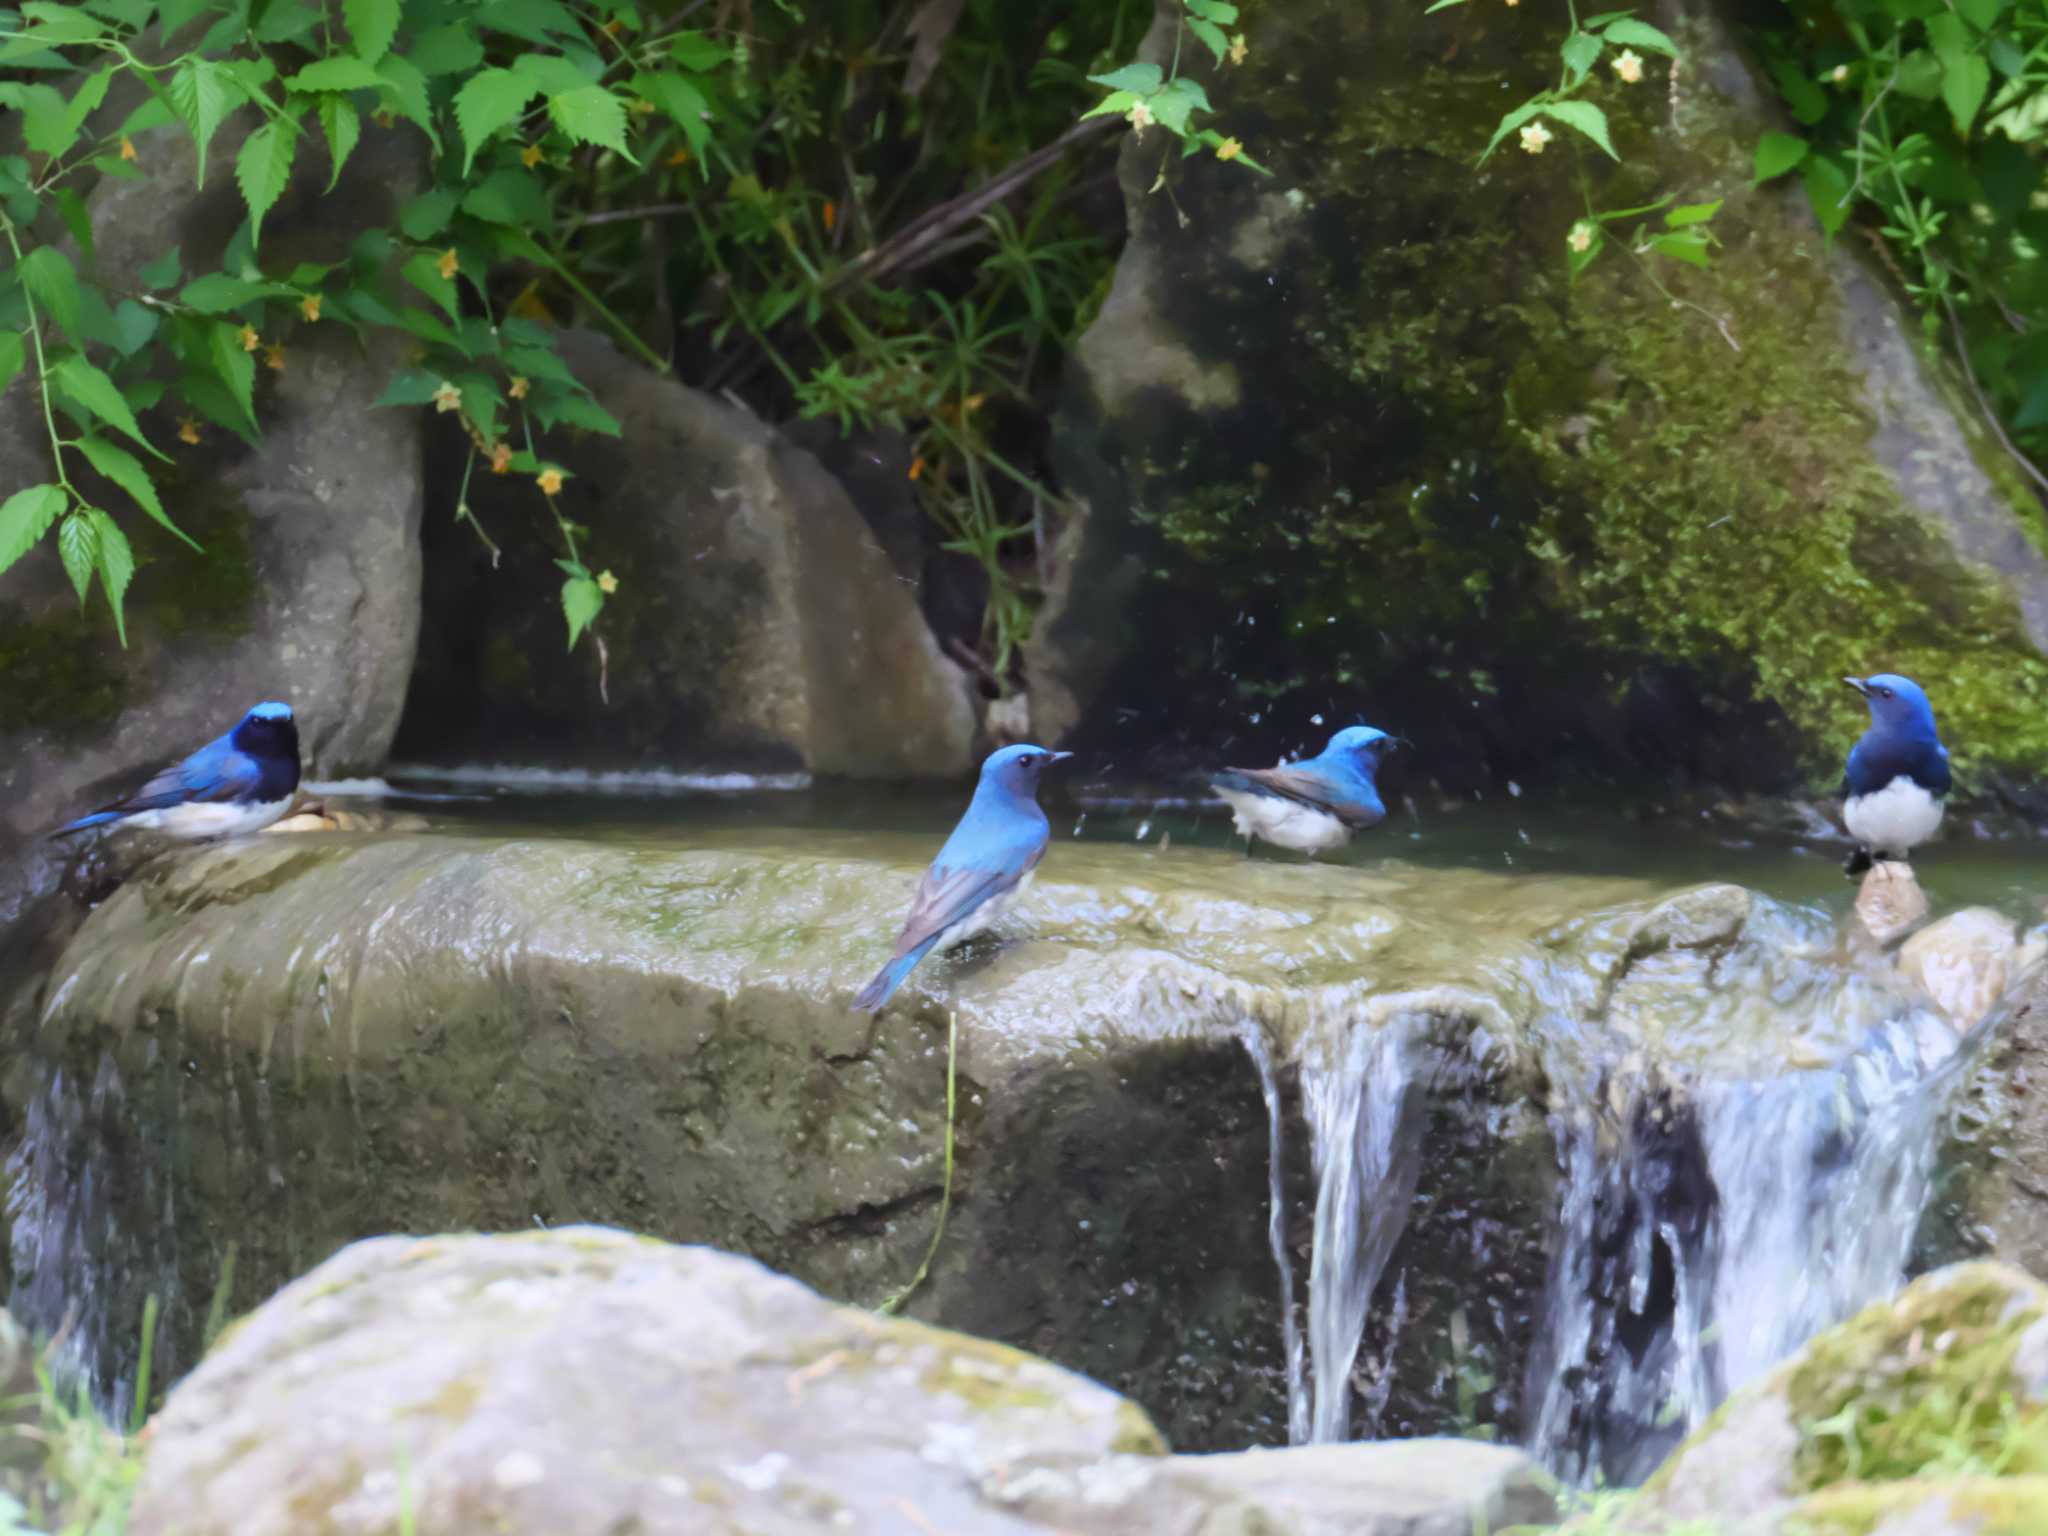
{"x": 1892, "y": 819}
{"x": 983, "y": 917}
{"x": 1285, "y": 823}
{"x": 203, "y": 819}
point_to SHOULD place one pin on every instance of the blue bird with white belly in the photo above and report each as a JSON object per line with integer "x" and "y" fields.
{"x": 1313, "y": 805}
{"x": 1897, "y": 775}
{"x": 240, "y": 782}
{"x": 988, "y": 859}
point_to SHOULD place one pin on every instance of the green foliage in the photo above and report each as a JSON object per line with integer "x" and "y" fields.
{"x": 1928, "y": 124}
{"x": 1144, "y": 94}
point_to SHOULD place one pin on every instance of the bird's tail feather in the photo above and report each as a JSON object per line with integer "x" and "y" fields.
{"x": 877, "y": 993}
{"x": 97, "y": 818}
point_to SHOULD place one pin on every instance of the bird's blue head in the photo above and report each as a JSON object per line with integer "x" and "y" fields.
{"x": 1363, "y": 745}
{"x": 1898, "y": 705}
{"x": 268, "y": 730}
{"x": 1017, "y": 768}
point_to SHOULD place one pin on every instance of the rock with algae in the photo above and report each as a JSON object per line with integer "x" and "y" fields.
{"x": 584, "y": 1380}
{"x": 1356, "y": 424}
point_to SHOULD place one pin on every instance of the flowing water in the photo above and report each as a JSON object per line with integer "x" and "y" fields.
{"x": 1743, "y": 1135}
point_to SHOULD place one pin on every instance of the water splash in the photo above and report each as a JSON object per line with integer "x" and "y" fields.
{"x": 510, "y": 779}
{"x": 1261, "y": 1054}
{"x": 1367, "y": 1147}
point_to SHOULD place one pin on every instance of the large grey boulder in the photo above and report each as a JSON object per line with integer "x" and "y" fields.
{"x": 585, "y": 1381}
{"x": 758, "y": 621}
{"x": 1355, "y": 425}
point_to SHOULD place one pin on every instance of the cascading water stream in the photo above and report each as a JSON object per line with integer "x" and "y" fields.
{"x": 1276, "y": 1233}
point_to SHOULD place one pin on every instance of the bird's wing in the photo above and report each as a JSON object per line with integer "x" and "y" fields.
{"x": 950, "y": 892}
{"x": 1872, "y": 766}
{"x": 1302, "y": 784}
{"x": 213, "y": 774}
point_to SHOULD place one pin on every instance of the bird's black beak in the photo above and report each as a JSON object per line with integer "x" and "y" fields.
{"x": 1859, "y": 685}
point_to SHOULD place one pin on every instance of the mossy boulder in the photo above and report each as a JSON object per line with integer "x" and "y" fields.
{"x": 757, "y": 623}
{"x": 1357, "y": 431}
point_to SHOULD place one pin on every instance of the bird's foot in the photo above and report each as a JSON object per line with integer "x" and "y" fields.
{"x": 1858, "y": 862}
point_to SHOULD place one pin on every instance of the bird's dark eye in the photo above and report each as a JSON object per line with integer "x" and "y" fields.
{"x": 1884, "y": 693}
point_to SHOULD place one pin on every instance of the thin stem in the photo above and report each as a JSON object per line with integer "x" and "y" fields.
{"x": 1990, "y": 416}
{"x": 35, "y": 331}
{"x": 946, "y": 1191}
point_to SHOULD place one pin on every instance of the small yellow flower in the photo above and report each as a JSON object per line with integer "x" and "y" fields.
{"x": 127, "y": 147}
{"x": 1140, "y": 116}
{"x": 1513, "y": 3}
{"x": 1229, "y": 149}
{"x": 449, "y": 265}
{"x": 530, "y": 156}
{"x": 447, "y": 397}
{"x": 1629, "y": 65}
{"x": 1534, "y": 137}
{"x": 549, "y": 481}
{"x": 1238, "y": 49}
{"x": 916, "y": 467}
{"x": 250, "y": 340}
{"x": 680, "y": 157}
{"x": 519, "y": 388}
{"x": 1838, "y": 74}
{"x": 1581, "y": 237}
{"x": 607, "y": 583}
{"x": 309, "y": 306}
{"x": 642, "y": 107}
{"x": 273, "y": 357}
{"x": 501, "y": 457}
{"x": 188, "y": 430}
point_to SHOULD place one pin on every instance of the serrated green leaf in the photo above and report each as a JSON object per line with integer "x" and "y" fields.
{"x": 342, "y": 72}
{"x": 342, "y": 125}
{"x": 1585, "y": 118}
{"x": 25, "y": 517}
{"x": 582, "y": 601}
{"x": 78, "y": 541}
{"x": 406, "y": 94}
{"x": 92, "y": 391}
{"x": 46, "y": 125}
{"x": 1965, "y": 79}
{"x": 1579, "y": 52}
{"x": 47, "y": 274}
{"x": 116, "y": 564}
{"x": 555, "y": 74}
{"x": 683, "y": 102}
{"x": 86, "y": 100}
{"x": 1687, "y": 245}
{"x": 428, "y": 214}
{"x": 133, "y": 325}
{"x": 71, "y": 209}
{"x": 448, "y": 50}
{"x": 1210, "y": 36}
{"x": 233, "y": 365}
{"x": 1777, "y": 153}
{"x": 423, "y": 271}
{"x": 1827, "y": 189}
{"x": 577, "y": 411}
{"x": 163, "y": 272}
{"x": 592, "y": 115}
{"x": 217, "y": 293}
{"x": 1691, "y": 213}
{"x": 1141, "y": 78}
{"x": 486, "y": 103}
{"x": 1509, "y": 123}
{"x": 413, "y": 386}
{"x": 283, "y": 23}
{"x": 127, "y": 471}
{"x": 696, "y": 52}
{"x": 508, "y": 197}
{"x": 1219, "y": 11}
{"x": 264, "y": 169}
{"x": 202, "y": 94}
{"x": 372, "y": 23}
{"x": 13, "y": 352}
{"x": 1627, "y": 32}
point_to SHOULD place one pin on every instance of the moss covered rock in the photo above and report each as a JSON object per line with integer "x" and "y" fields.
{"x": 1358, "y": 432}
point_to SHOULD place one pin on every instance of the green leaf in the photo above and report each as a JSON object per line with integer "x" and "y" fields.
{"x": 234, "y": 365}
{"x": 1442, "y": 5}
{"x": 47, "y": 274}
{"x": 78, "y": 541}
{"x": 1691, "y": 213}
{"x": 414, "y": 386}
{"x": 582, "y": 601}
{"x": 126, "y": 471}
{"x": 202, "y": 94}
{"x": 88, "y": 97}
{"x": 1630, "y": 33}
{"x": 339, "y": 73}
{"x": 13, "y": 352}
{"x": 372, "y": 23}
{"x": 1827, "y": 188}
{"x": 453, "y": 49}
{"x": 25, "y": 517}
{"x": 1586, "y": 118}
{"x": 46, "y": 125}
{"x": 684, "y": 104}
{"x": 1210, "y": 36}
{"x": 428, "y": 214}
{"x": 284, "y": 23}
{"x": 1688, "y": 245}
{"x": 217, "y": 293}
{"x": 487, "y": 103}
{"x": 696, "y": 52}
{"x": 1964, "y": 81}
{"x": 1220, "y": 11}
{"x": 592, "y": 115}
{"x": 1807, "y": 101}
{"x": 1141, "y": 78}
{"x": 555, "y": 74}
{"x": 1509, "y": 123}
{"x": 340, "y": 122}
{"x": 133, "y": 327}
{"x": 94, "y": 392}
{"x": 162, "y": 272}
{"x": 1777, "y": 153}
{"x": 508, "y": 197}
{"x": 264, "y": 168}
{"x": 71, "y": 209}
{"x": 116, "y": 563}
{"x": 406, "y": 90}
{"x": 1980, "y": 13}
{"x": 423, "y": 271}
{"x": 577, "y": 411}
{"x": 1580, "y": 51}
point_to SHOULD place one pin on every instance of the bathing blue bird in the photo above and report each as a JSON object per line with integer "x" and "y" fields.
{"x": 988, "y": 859}
{"x": 1897, "y": 773}
{"x": 239, "y": 782}
{"x": 1313, "y": 805}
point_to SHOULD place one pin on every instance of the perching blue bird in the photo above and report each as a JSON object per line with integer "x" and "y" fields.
{"x": 1897, "y": 774}
{"x": 1313, "y": 805}
{"x": 988, "y": 859}
{"x": 240, "y": 782}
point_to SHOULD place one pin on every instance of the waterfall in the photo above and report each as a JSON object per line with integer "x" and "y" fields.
{"x": 1276, "y": 1232}
{"x": 1366, "y": 1141}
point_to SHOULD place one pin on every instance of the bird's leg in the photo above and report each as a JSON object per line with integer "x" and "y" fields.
{"x": 1858, "y": 862}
